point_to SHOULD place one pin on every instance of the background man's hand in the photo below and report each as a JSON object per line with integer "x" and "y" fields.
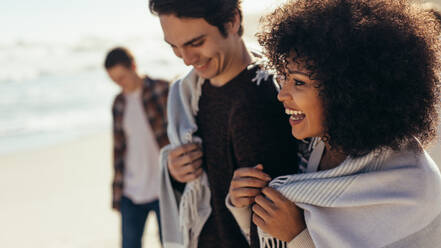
{"x": 247, "y": 184}
{"x": 184, "y": 163}
{"x": 278, "y": 216}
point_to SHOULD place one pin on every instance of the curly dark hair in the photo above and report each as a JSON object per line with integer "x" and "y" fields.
{"x": 215, "y": 12}
{"x": 377, "y": 64}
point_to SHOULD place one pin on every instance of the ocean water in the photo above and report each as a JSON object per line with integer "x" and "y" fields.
{"x": 53, "y": 91}
{"x": 51, "y": 108}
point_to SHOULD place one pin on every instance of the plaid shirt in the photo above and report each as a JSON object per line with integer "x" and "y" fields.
{"x": 154, "y": 99}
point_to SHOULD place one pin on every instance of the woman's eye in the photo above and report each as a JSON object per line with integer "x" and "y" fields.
{"x": 298, "y": 82}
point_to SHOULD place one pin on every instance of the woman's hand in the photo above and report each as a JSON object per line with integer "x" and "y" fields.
{"x": 278, "y": 216}
{"x": 246, "y": 184}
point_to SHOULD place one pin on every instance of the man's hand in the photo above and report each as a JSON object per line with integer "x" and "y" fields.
{"x": 278, "y": 216}
{"x": 247, "y": 184}
{"x": 184, "y": 163}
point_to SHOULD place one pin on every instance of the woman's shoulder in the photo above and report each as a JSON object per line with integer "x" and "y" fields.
{"x": 417, "y": 172}
{"x": 412, "y": 155}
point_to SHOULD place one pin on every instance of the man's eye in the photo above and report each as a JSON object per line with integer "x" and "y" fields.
{"x": 197, "y": 44}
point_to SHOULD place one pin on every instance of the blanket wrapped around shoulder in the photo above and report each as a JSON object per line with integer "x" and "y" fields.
{"x": 383, "y": 199}
{"x": 183, "y": 215}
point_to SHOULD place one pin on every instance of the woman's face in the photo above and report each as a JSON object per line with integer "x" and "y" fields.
{"x": 300, "y": 96}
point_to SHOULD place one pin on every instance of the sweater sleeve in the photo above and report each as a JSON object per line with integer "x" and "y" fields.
{"x": 242, "y": 217}
{"x": 302, "y": 240}
{"x": 162, "y": 98}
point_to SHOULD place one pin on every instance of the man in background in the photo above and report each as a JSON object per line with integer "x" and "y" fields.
{"x": 139, "y": 131}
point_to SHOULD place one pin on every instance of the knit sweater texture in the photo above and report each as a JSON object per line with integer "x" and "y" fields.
{"x": 241, "y": 124}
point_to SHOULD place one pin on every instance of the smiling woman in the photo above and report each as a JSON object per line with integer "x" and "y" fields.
{"x": 300, "y": 95}
{"x": 360, "y": 81}
{"x": 360, "y": 78}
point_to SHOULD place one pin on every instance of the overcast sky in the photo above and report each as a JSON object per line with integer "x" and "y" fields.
{"x": 51, "y": 18}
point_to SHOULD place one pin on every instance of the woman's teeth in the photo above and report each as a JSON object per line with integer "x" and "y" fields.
{"x": 297, "y": 117}
{"x": 295, "y": 114}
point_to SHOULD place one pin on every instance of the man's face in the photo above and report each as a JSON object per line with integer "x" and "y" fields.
{"x": 123, "y": 76}
{"x": 200, "y": 44}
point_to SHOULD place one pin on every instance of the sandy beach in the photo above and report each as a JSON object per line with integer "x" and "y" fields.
{"x": 59, "y": 197}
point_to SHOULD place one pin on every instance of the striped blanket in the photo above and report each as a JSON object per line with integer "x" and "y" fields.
{"x": 384, "y": 199}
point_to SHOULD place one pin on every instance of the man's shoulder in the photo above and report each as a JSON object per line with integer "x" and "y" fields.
{"x": 258, "y": 82}
{"x": 259, "y": 76}
{"x": 155, "y": 87}
{"x": 119, "y": 98}
{"x": 161, "y": 83}
{"x": 118, "y": 104}
{"x": 155, "y": 82}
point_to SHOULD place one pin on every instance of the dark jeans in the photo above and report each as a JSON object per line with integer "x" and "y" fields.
{"x": 134, "y": 217}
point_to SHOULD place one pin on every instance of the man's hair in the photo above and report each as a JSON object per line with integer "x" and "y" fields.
{"x": 119, "y": 56}
{"x": 377, "y": 63}
{"x": 215, "y": 12}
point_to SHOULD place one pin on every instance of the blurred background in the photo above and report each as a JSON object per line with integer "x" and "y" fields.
{"x": 55, "y": 122}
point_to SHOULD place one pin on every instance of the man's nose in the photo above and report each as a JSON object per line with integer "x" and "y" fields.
{"x": 188, "y": 56}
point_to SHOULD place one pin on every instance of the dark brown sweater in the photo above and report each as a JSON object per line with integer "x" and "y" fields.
{"x": 241, "y": 124}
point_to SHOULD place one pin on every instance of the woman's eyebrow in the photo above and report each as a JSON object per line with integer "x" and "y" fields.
{"x": 297, "y": 72}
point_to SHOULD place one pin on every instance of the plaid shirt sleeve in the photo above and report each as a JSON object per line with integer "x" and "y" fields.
{"x": 155, "y": 104}
{"x": 119, "y": 149}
